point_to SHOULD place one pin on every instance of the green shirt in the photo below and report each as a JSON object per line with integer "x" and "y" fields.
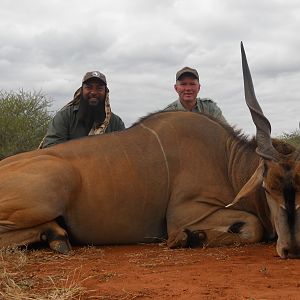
{"x": 65, "y": 126}
{"x": 204, "y": 105}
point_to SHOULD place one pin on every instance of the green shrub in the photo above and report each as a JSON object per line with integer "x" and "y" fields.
{"x": 24, "y": 118}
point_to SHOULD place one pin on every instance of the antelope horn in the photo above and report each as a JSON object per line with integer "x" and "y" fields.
{"x": 263, "y": 128}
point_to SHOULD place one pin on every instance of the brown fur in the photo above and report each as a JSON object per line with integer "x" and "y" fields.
{"x": 168, "y": 176}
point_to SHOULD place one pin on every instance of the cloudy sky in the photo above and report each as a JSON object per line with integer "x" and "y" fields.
{"x": 140, "y": 44}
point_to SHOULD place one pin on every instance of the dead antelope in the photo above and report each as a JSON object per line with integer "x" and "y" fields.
{"x": 180, "y": 176}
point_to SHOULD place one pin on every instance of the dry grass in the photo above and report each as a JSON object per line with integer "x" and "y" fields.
{"x": 14, "y": 286}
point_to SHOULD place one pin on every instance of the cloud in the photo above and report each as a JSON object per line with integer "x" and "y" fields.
{"x": 140, "y": 44}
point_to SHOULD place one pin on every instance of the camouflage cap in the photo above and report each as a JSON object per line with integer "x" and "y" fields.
{"x": 187, "y": 70}
{"x": 94, "y": 74}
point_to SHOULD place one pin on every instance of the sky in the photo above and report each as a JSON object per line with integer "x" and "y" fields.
{"x": 140, "y": 45}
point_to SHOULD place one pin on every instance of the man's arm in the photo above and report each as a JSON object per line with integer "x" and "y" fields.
{"x": 211, "y": 108}
{"x": 120, "y": 125}
{"x": 115, "y": 124}
{"x": 58, "y": 130}
{"x": 218, "y": 114}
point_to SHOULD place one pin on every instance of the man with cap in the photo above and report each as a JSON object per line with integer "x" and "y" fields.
{"x": 89, "y": 113}
{"x": 187, "y": 87}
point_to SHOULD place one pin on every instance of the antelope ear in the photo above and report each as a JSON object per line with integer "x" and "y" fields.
{"x": 252, "y": 184}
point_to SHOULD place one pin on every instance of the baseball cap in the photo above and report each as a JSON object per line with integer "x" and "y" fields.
{"x": 94, "y": 74}
{"x": 187, "y": 70}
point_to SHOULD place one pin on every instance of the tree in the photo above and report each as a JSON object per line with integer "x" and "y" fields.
{"x": 24, "y": 118}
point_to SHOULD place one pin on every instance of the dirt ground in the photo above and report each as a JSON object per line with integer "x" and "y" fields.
{"x": 149, "y": 272}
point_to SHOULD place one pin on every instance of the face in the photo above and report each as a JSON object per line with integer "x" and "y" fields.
{"x": 93, "y": 91}
{"x": 282, "y": 185}
{"x": 187, "y": 88}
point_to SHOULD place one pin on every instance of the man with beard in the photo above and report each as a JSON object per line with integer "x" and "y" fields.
{"x": 89, "y": 113}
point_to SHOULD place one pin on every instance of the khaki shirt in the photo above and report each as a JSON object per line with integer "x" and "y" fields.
{"x": 65, "y": 126}
{"x": 204, "y": 105}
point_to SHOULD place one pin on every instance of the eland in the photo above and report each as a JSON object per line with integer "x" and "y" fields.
{"x": 177, "y": 176}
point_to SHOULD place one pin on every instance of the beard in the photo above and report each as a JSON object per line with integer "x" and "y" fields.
{"x": 91, "y": 114}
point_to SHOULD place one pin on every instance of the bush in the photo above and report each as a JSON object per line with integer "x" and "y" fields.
{"x": 292, "y": 138}
{"x": 23, "y": 122}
